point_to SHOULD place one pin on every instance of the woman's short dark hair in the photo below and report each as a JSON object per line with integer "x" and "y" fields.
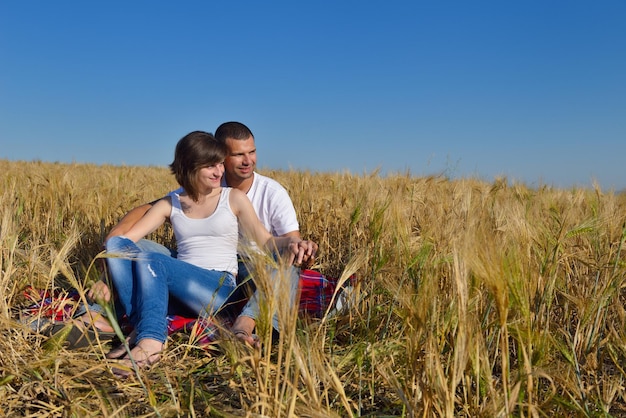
{"x": 194, "y": 151}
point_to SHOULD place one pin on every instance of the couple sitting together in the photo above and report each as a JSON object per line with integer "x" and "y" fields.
{"x": 220, "y": 201}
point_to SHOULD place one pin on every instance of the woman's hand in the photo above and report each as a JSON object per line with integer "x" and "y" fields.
{"x": 99, "y": 292}
{"x": 302, "y": 252}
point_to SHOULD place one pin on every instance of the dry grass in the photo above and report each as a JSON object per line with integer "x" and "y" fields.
{"x": 473, "y": 299}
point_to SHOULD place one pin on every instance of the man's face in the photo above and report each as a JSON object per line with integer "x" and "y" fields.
{"x": 241, "y": 159}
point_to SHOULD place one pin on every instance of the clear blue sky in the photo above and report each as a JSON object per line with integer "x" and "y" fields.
{"x": 531, "y": 90}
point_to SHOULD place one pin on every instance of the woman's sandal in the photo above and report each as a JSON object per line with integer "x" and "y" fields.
{"x": 75, "y": 336}
{"x": 119, "y": 351}
{"x": 247, "y": 338}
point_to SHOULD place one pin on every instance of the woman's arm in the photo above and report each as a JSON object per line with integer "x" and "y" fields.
{"x": 301, "y": 252}
{"x": 130, "y": 219}
{"x": 154, "y": 218}
{"x": 130, "y": 227}
{"x": 299, "y": 249}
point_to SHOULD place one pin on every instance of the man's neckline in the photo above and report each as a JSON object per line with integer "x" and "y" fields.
{"x": 253, "y": 178}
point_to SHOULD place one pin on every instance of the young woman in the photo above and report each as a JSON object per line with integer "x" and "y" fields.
{"x": 206, "y": 220}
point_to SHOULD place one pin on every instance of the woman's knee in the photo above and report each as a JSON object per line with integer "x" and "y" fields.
{"x": 120, "y": 244}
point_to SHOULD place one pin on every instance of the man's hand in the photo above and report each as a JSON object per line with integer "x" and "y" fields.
{"x": 302, "y": 253}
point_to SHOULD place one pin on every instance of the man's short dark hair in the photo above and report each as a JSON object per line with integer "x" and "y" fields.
{"x": 234, "y": 130}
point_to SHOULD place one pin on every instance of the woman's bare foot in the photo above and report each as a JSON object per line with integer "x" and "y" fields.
{"x": 101, "y": 323}
{"x": 146, "y": 353}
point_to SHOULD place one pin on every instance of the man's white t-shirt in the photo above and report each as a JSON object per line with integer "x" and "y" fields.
{"x": 273, "y": 205}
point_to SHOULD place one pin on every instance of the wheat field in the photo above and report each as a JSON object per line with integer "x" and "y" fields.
{"x": 471, "y": 299}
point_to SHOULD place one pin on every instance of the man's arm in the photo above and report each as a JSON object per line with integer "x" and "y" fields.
{"x": 129, "y": 220}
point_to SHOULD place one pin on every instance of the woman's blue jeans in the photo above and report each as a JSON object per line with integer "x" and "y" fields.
{"x": 146, "y": 280}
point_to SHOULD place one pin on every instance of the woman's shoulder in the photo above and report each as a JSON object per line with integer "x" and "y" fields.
{"x": 235, "y": 193}
{"x": 167, "y": 200}
{"x": 237, "y": 198}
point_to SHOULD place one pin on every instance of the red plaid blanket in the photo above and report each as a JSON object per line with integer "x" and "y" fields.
{"x": 316, "y": 292}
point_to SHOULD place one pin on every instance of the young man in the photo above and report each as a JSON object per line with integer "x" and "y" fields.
{"x": 269, "y": 199}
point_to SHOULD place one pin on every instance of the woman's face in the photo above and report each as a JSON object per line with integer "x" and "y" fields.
{"x": 211, "y": 176}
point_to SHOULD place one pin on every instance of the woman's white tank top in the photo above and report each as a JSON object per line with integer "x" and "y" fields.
{"x": 211, "y": 242}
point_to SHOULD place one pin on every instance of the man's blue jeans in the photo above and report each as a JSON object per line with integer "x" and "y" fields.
{"x": 145, "y": 281}
{"x": 291, "y": 279}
